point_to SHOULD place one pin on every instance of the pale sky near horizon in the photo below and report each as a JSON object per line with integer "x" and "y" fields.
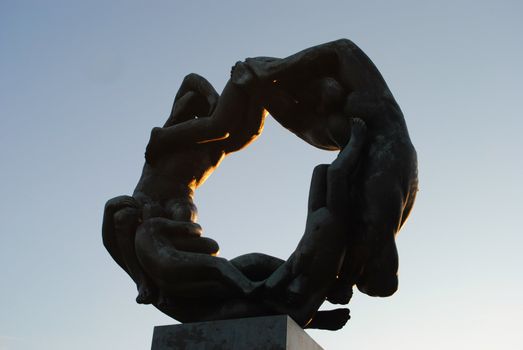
{"x": 83, "y": 82}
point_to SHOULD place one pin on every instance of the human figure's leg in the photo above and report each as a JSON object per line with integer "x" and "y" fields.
{"x": 257, "y": 266}
{"x": 380, "y": 274}
{"x": 200, "y": 85}
{"x": 319, "y": 254}
{"x": 336, "y": 191}
{"x": 343, "y": 168}
{"x": 186, "y": 309}
{"x": 186, "y": 273}
{"x": 371, "y": 262}
{"x": 304, "y": 65}
{"x": 285, "y": 273}
{"x": 329, "y": 319}
{"x": 232, "y": 106}
{"x": 330, "y": 187}
{"x": 121, "y": 219}
{"x": 188, "y": 106}
{"x": 126, "y": 223}
{"x": 195, "y": 97}
{"x": 340, "y": 59}
{"x": 108, "y": 226}
{"x": 381, "y": 216}
{"x": 249, "y": 126}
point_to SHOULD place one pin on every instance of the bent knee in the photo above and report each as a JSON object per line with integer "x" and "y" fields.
{"x": 192, "y": 76}
{"x": 343, "y": 42}
{"x": 382, "y": 213}
{"x": 380, "y": 273}
{"x": 378, "y": 284}
{"x": 126, "y": 217}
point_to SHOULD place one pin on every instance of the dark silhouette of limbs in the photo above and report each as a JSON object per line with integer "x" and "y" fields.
{"x": 311, "y": 271}
{"x": 314, "y": 93}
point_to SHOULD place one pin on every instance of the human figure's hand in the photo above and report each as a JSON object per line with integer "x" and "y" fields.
{"x": 241, "y": 74}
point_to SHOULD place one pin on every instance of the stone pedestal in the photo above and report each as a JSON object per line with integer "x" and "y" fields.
{"x": 256, "y": 333}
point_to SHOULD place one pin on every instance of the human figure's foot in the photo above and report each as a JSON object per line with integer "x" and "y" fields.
{"x": 147, "y": 293}
{"x": 241, "y": 74}
{"x": 358, "y": 127}
{"x": 331, "y": 320}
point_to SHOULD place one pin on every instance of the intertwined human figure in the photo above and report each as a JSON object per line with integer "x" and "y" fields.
{"x": 333, "y": 97}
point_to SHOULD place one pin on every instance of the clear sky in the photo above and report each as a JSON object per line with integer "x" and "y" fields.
{"x": 83, "y": 82}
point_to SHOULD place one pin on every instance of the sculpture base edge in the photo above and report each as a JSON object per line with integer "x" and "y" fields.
{"x": 255, "y": 333}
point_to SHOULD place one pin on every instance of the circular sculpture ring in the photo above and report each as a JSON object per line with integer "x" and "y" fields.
{"x": 333, "y": 97}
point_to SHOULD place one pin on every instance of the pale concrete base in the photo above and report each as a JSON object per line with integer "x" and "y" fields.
{"x": 256, "y": 333}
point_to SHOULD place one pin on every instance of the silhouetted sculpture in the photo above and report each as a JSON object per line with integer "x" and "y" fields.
{"x": 310, "y": 273}
{"x": 334, "y": 98}
{"x": 237, "y": 118}
{"x": 163, "y": 198}
{"x": 314, "y": 94}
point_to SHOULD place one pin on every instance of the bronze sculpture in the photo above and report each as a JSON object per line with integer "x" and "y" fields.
{"x": 344, "y": 82}
{"x": 334, "y": 98}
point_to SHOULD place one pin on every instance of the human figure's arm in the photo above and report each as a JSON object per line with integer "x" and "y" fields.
{"x": 317, "y": 199}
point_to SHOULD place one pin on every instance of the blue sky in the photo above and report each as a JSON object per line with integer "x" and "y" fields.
{"x": 82, "y": 83}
